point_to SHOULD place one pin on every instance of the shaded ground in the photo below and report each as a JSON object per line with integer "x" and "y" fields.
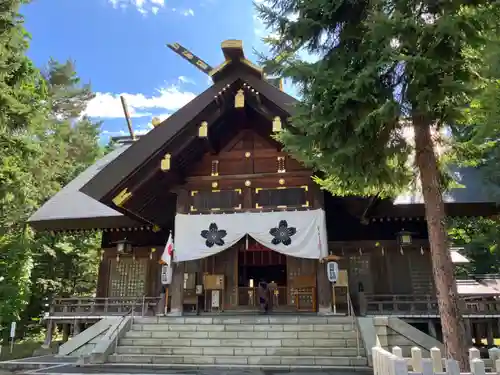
{"x": 52, "y": 365}
{"x": 202, "y": 371}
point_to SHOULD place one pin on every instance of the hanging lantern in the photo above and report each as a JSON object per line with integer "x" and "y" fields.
{"x": 203, "y": 130}
{"x": 239, "y": 99}
{"x": 123, "y": 246}
{"x": 404, "y": 238}
{"x": 153, "y": 250}
{"x": 117, "y": 258}
{"x": 165, "y": 162}
{"x": 277, "y": 124}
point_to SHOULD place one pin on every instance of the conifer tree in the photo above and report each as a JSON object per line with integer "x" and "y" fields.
{"x": 384, "y": 68}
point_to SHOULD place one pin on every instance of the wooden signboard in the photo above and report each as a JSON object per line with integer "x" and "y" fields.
{"x": 213, "y": 282}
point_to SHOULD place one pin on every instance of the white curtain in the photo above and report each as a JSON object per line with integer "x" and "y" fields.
{"x": 300, "y": 234}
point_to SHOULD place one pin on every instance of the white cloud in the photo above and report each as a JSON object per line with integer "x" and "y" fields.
{"x": 188, "y": 12}
{"x": 184, "y": 12}
{"x": 108, "y": 105}
{"x": 142, "y": 6}
{"x": 184, "y": 79}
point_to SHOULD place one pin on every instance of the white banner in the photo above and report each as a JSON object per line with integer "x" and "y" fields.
{"x": 300, "y": 234}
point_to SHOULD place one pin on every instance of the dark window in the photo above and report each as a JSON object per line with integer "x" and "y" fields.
{"x": 289, "y": 197}
{"x": 216, "y": 200}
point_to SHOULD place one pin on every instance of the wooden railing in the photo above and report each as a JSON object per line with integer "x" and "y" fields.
{"x": 93, "y": 306}
{"x": 393, "y": 304}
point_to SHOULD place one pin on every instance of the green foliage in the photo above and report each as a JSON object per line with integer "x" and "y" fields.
{"x": 379, "y": 64}
{"x": 480, "y": 238}
{"x": 44, "y": 143}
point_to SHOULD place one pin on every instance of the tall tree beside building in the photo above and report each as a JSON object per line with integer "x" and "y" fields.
{"x": 65, "y": 264}
{"x": 382, "y": 66}
{"x": 44, "y": 143}
{"x": 21, "y": 107}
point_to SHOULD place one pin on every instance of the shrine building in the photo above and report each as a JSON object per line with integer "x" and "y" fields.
{"x": 242, "y": 211}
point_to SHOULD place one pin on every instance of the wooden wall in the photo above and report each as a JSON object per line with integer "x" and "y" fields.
{"x": 141, "y": 270}
{"x": 250, "y": 173}
{"x": 390, "y": 272}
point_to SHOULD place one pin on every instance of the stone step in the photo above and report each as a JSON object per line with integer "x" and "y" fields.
{"x": 241, "y": 334}
{"x": 238, "y": 360}
{"x": 245, "y": 320}
{"x": 254, "y": 343}
{"x": 227, "y": 351}
{"x": 244, "y": 327}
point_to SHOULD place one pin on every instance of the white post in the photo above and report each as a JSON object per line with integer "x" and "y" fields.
{"x": 397, "y": 351}
{"x": 416, "y": 359}
{"x": 437, "y": 361}
{"x": 477, "y": 367}
{"x": 376, "y": 360}
{"x": 399, "y": 366}
{"x": 452, "y": 367}
{"x": 427, "y": 368}
{"x": 474, "y": 354}
{"x": 494, "y": 354}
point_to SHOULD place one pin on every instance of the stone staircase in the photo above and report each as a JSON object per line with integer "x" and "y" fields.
{"x": 245, "y": 341}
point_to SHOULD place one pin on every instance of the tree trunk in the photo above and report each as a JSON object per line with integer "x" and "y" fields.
{"x": 454, "y": 337}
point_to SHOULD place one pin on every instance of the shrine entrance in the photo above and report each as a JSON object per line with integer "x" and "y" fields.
{"x": 256, "y": 264}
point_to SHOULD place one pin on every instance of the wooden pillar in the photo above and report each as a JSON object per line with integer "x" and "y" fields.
{"x": 76, "y": 328}
{"x": 65, "y": 332}
{"x": 489, "y": 333}
{"x": 324, "y": 290}
{"x": 468, "y": 331}
{"x": 176, "y": 289}
{"x": 48, "y": 335}
{"x": 477, "y": 332}
{"x": 432, "y": 328}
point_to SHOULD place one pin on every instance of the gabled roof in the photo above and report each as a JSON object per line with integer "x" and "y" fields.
{"x": 70, "y": 209}
{"x": 153, "y": 144}
{"x": 473, "y": 189}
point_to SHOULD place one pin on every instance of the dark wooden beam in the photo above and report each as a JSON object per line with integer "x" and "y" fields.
{"x": 249, "y": 176}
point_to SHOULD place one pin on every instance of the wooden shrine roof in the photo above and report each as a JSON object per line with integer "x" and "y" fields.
{"x": 177, "y": 135}
{"x": 87, "y": 201}
{"x": 70, "y": 209}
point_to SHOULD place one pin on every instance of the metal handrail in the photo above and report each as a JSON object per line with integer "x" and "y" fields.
{"x": 130, "y": 312}
{"x": 355, "y": 326}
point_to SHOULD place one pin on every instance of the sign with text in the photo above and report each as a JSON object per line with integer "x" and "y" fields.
{"x": 332, "y": 270}
{"x": 12, "y": 330}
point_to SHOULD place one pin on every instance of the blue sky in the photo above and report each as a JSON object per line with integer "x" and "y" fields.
{"x": 119, "y": 46}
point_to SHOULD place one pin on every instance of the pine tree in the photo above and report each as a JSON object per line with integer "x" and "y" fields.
{"x": 383, "y": 67}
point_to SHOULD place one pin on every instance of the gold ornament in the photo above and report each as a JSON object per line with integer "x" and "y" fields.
{"x": 203, "y": 130}
{"x": 277, "y": 124}
{"x": 165, "y": 163}
{"x": 239, "y": 99}
{"x": 155, "y": 121}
